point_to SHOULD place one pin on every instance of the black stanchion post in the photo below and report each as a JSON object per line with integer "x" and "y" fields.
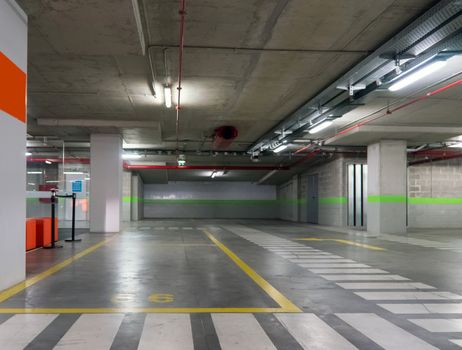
{"x": 74, "y": 197}
{"x": 53, "y": 224}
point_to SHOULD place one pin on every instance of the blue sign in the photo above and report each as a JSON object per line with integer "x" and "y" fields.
{"x": 77, "y": 186}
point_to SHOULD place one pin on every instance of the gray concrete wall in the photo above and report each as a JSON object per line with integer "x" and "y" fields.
{"x": 435, "y": 195}
{"x": 231, "y": 200}
{"x": 332, "y": 205}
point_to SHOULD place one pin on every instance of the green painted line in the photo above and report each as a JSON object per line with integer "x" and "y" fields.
{"x": 387, "y": 199}
{"x": 333, "y": 200}
{"x": 423, "y": 200}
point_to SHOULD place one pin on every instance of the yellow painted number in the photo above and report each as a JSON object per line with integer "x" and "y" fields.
{"x": 161, "y": 298}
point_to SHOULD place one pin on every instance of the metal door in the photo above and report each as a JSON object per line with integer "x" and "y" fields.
{"x": 313, "y": 199}
{"x": 357, "y": 194}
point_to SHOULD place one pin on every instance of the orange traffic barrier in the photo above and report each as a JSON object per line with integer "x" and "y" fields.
{"x": 31, "y": 234}
{"x": 44, "y": 231}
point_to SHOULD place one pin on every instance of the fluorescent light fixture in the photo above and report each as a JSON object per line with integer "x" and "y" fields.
{"x": 321, "y": 126}
{"x": 411, "y": 78}
{"x": 456, "y": 145}
{"x": 28, "y": 154}
{"x": 34, "y": 173}
{"x": 73, "y": 173}
{"x": 31, "y": 184}
{"x": 217, "y": 173}
{"x": 214, "y": 174}
{"x": 168, "y": 96}
{"x": 48, "y": 162}
{"x": 128, "y": 156}
{"x": 280, "y": 148}
{"x": 87, "y": 178}
{"x": 52, "y": 181}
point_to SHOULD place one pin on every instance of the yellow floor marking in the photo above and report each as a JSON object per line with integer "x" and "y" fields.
{"x": 277, "y": 296}
{"x": 8, "y": 293}
{"x": 285, "y": 304}
{"x": 178, "y": 310}
{"x": 344, "y": 241}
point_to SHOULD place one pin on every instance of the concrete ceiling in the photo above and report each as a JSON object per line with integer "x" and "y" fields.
{"x": 86, "y": 61}
{"x": 247, "y": 63}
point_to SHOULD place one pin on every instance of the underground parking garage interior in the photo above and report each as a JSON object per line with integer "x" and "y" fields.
{"x": 230, "y": 175}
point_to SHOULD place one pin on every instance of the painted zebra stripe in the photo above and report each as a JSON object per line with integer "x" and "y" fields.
{"x": 91, "y": 331}
{"x": 384, "y": 285}
{"x": 385, "y": 333}
{"x": 241, "y": 332}
{"x": 167, "y": 331}
{"x": 313, "y": 333}
{"x": 408, "y": 295}
{"x": 20, "y": 330}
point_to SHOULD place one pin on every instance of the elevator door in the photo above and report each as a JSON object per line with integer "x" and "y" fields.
{"x": 313, "y": 199}
{"x": 357, "y": 194}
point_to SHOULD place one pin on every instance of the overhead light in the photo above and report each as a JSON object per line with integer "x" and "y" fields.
{"x": 168, "y": 96}
{"x": 28, "y": 154}
{"x": 73, "y": 173}
{"x": 31, "y": 184}
{"x": 87, "y": 178}
{"x": 280, "y": 148}
{"x": 217, "y": 173}
{"x": 321, "y": 126}
{"x": 34, "y": 173}
{"x": 52, "y": 181}
{"x": 48, "y": 162}
{"x": 128, "y": 156}
{"x": 411, "y": 78}
{"x": 456, "y": 145}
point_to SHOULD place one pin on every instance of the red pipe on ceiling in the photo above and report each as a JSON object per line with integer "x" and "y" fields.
{"x": 59, "y": 160}
{"x": 390, "y": 111}
{"x": 182, "y": 13}
{"x": 204, "y": 167}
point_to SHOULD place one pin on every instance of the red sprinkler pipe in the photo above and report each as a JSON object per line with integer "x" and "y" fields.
{"x": 205, "y": 167}
{"x": 182, "y": 13}
{"x": 59, "y": 160}
{"x": 388, "y": 112}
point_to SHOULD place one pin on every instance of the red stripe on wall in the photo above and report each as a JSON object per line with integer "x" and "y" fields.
{"x": 12, "y": 89}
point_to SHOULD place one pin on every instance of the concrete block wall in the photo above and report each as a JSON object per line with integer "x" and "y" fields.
{"x": 435, "y": 194}
{"x": 287, "y": 195}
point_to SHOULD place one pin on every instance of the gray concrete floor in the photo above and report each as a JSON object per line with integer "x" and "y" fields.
{"x": 166, "y": 283}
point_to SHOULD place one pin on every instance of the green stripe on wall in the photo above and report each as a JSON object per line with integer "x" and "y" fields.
{"x": 415, "y": 200}
{"x": 387, "y": 199}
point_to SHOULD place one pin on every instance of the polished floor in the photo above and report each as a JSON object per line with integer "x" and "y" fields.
{"x": 238, "y": 285}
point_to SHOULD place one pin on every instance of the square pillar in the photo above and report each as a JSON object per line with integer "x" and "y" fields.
{"x": 106, "y": 182}
{"x": 387, "y": 184}
{"x": 13, "y": 119}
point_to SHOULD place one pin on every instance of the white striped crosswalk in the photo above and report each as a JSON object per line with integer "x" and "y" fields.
{"x": 234, "y": 332}
{"x": 385, "y": 333}
{"x": 91, "y": 332}
{"x": 241, "y": 332}
{"x": 313, "y": 333}
{"x": 19, "y": 330}
{"x": 167, "y": 331}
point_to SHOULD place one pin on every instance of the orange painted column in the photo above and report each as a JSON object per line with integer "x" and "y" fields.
{"x": 13, "y": 78}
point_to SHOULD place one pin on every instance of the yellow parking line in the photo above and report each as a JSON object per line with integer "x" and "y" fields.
{"x": 277, "y": 296}
{"x": 8, "y": 293}
{"x": 179, "y": 310}
{"x": 344, "y": 241}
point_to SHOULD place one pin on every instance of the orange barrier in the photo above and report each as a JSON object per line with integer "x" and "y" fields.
{"x": 31, "y": 234}
{"x": 44, "y": 231}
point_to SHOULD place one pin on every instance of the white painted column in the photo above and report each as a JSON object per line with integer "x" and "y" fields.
{"x": 13, "y": 77}
{"x": 106, "y": 182}
{"x": 386, "y": 202}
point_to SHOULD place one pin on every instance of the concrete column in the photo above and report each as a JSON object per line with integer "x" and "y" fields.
{"x": 386, "y": 202}
{"x": 137, "y": 200}
{"x": 13, "y": 77}
{"x": 106, "y": 182}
